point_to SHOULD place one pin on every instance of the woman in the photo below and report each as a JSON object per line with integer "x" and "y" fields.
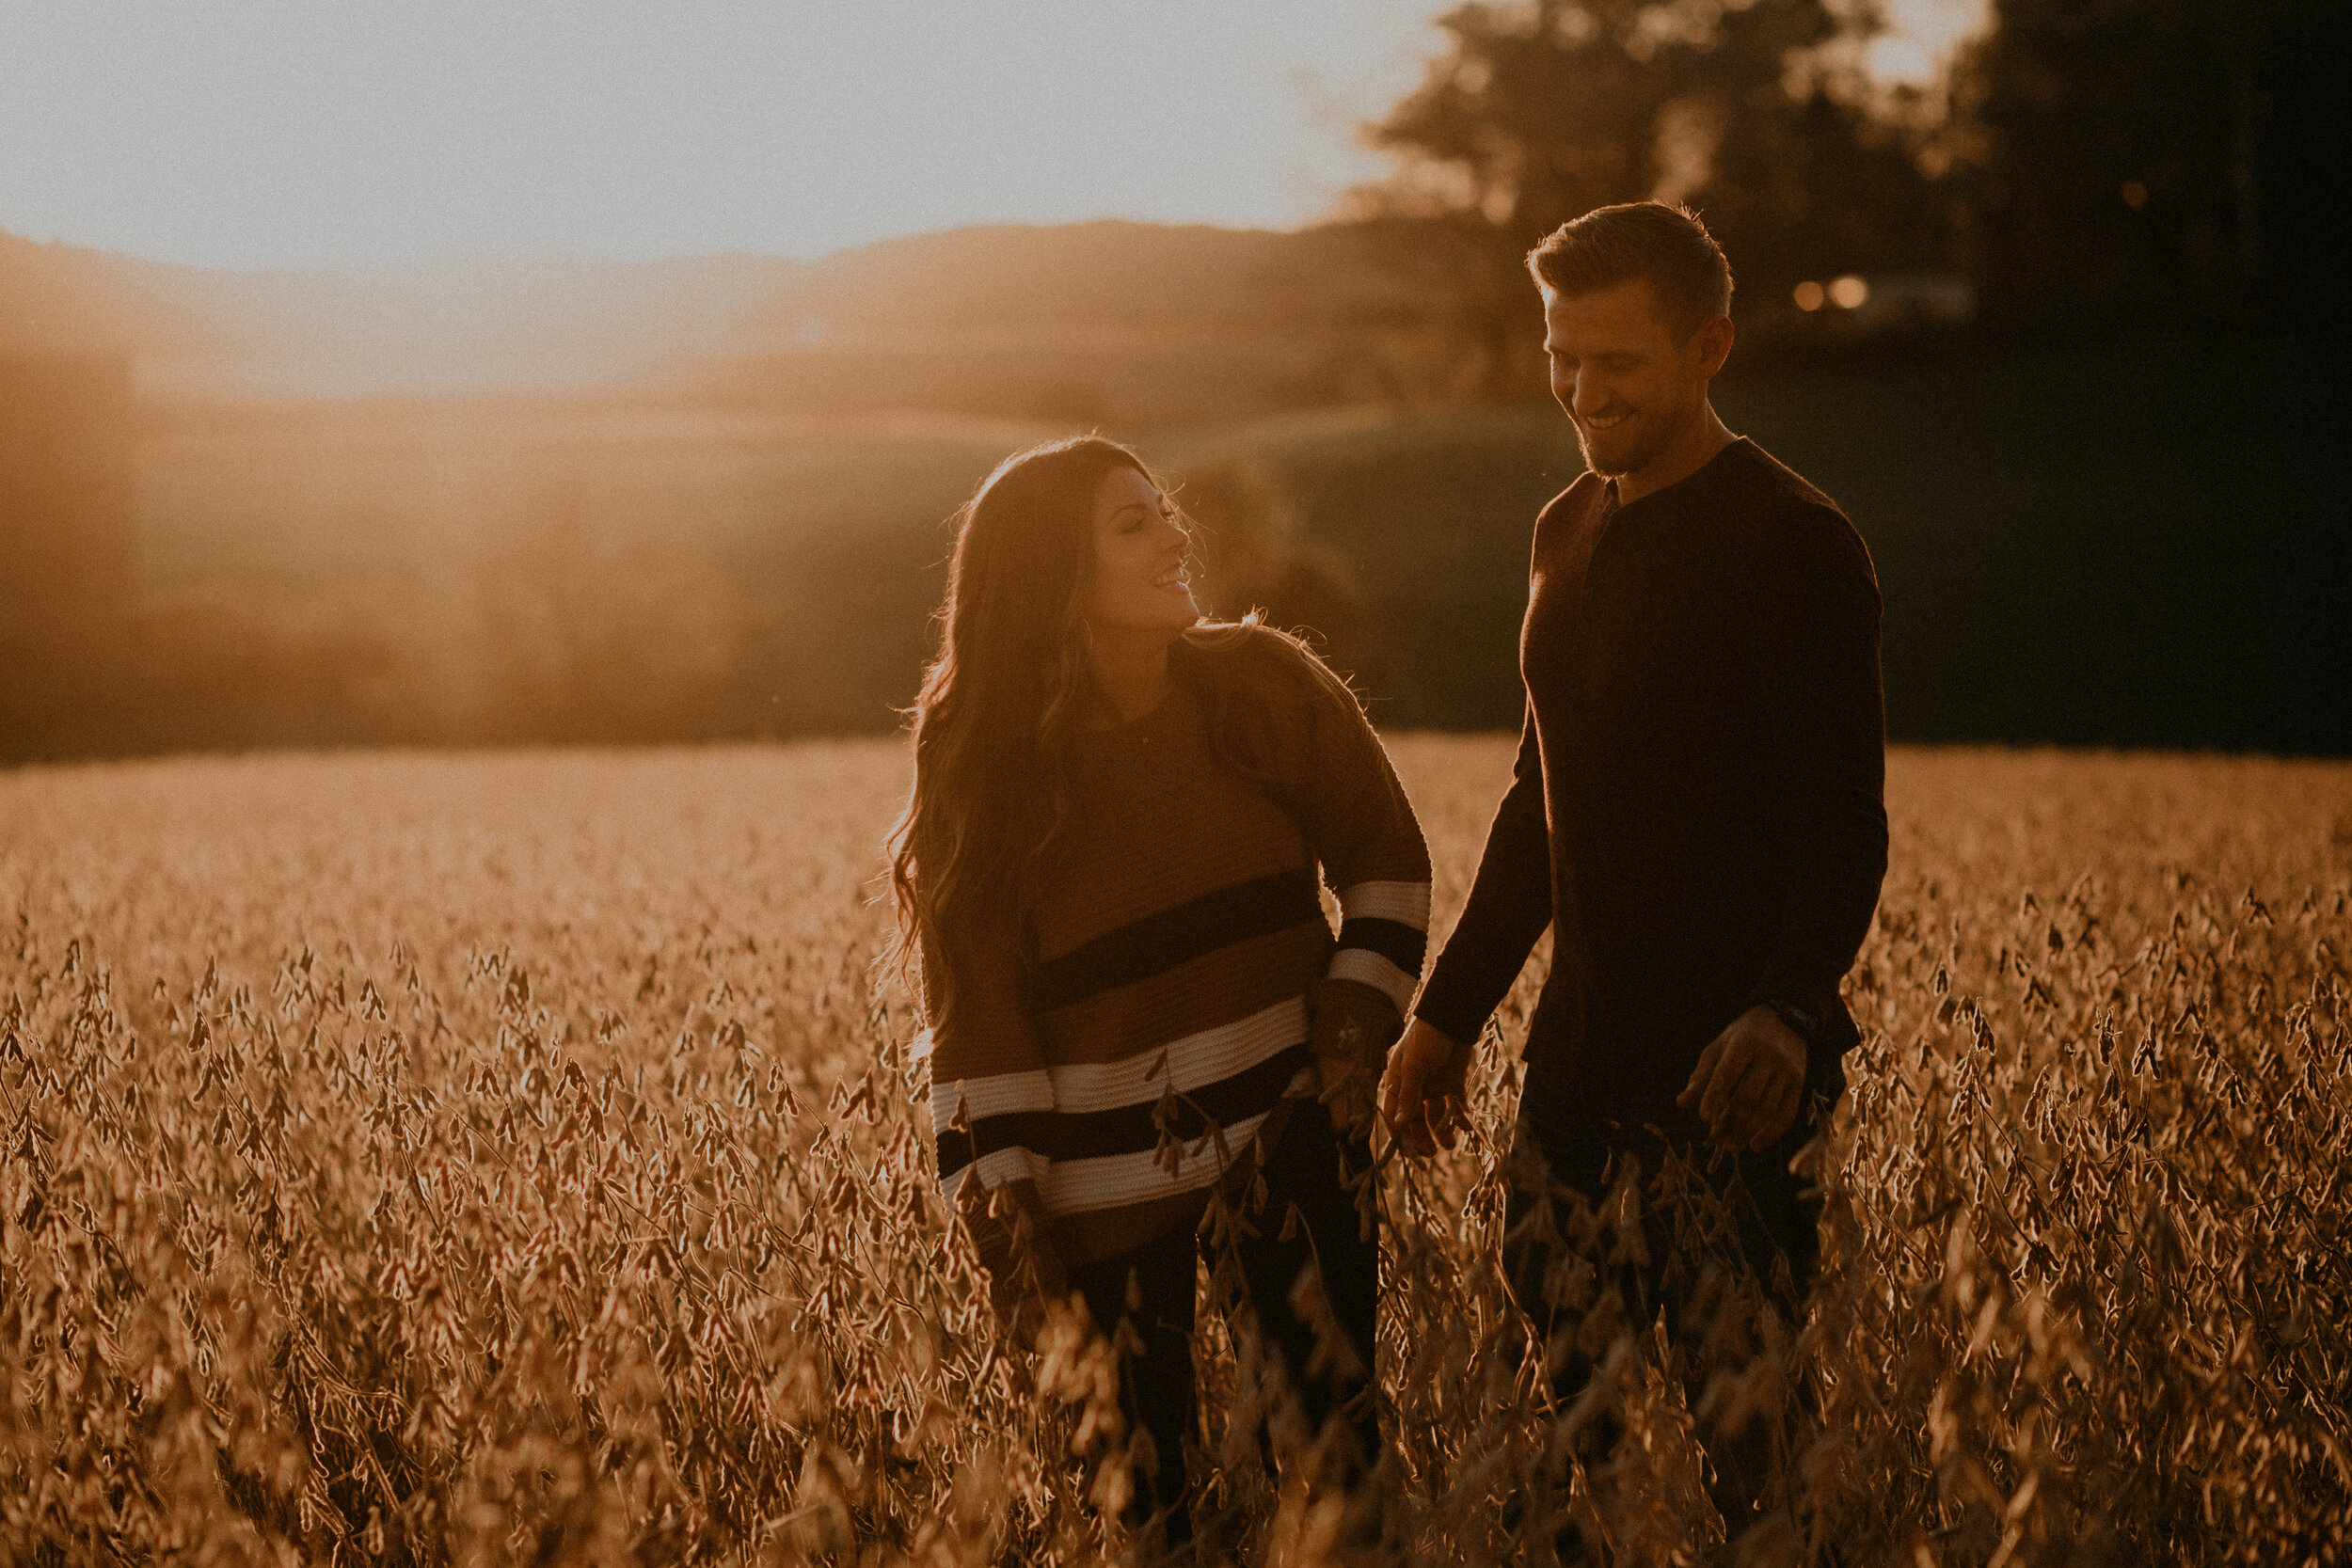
{"x": 1109, "y": 866}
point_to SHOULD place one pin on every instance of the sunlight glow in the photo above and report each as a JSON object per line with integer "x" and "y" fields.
{"x": 252, "y": 132}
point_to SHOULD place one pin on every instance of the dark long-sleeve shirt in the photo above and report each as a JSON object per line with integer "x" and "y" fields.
{"x": 1697, "y": 805}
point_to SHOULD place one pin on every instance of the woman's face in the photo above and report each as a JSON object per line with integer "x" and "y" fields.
{"x": 1139, "y": 578}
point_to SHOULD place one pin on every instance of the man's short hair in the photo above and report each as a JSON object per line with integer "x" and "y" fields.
{"x": 1669, "y": 245}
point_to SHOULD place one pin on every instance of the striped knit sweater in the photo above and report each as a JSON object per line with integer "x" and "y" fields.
{"x": 1096, "y": 1070}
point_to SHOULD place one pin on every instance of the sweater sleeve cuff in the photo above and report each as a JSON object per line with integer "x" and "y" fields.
{"x": 1384, "y": 939}
{"x": 1453, "y": 1008}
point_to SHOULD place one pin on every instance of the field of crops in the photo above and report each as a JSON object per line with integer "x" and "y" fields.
{"x": 491, "y": 1158}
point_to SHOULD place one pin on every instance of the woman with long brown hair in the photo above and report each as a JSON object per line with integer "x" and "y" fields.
{"x": 1110, "y": 866}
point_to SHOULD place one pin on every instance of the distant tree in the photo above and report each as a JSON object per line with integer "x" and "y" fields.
{"x": 1540, "y": 110}
{"x": 1252, "y": 560}
{"x": 2144, "y": 161}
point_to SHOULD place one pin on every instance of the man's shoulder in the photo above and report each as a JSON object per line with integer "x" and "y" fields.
{"x": 1777, "y": 490}
{"x": 1582, "y": 494}
{"x": 1789, "y": 513}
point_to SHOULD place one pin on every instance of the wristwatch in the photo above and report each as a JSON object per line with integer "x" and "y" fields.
{"x": 1803, "y": 1021}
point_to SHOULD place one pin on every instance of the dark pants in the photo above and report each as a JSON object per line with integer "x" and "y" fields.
{"x": 1157, "y": 1384}
{"x": 1702, "y": 1235}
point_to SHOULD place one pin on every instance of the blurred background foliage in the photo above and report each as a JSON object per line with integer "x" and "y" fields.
{"x": 2053, "y": 328}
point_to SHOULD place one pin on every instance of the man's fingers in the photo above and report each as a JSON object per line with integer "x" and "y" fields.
{"x": 1779, "y": 1094}
{"x": 1762, "y": 1122}
{"x": 1771, "y": 1117}
{"x": 1737, "y": 1063}
{"x": 1393, "y": 1098}
{"x": 1404, "y": 1108}
{"x": 1701, "y": 1073}
{"x": 1783, "y": 1111}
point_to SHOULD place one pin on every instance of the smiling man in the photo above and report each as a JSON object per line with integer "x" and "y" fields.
{"x": 1696, "y": 813}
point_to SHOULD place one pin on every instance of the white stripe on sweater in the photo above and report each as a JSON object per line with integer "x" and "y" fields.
{"x": 1406, "y": 903}
{"x": 1192, "y": 1062}
{"x": 995, "y": 1170}
{"x": 1112, "y": 1180}
{"x": 998, "y": 1094}
{"x": 1366, "y": 967}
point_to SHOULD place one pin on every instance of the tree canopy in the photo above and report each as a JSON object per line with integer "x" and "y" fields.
{"x": 2153, "y": 163}
{"x": 2095, "y": 165}
{"x": 1540, "y": 110}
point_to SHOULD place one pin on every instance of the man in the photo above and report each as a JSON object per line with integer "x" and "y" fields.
{"x": 1697, "y": 812}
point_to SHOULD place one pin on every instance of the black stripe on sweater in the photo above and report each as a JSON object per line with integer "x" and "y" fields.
{"x": 1159, "y": 942}
{"x": 1394, "y": 941}
{"x": 1126, "y": 1129}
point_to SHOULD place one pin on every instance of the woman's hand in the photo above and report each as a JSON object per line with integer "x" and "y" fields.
{"x": 1349, "y": 1092}
{"x": 1349, "y": 1027}
{"x": 1428, "y": 1077}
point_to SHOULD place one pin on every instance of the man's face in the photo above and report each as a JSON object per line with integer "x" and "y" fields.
{"x": 1625, "y": 383}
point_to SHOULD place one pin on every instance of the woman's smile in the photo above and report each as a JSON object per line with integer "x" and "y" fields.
{"x": 1140, "y": 583}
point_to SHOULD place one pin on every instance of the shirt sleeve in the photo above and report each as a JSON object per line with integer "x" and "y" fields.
{"x": 1508, "y": 908}
{"x": 1815, "y": 624}
{"x": 990, "y": 1097}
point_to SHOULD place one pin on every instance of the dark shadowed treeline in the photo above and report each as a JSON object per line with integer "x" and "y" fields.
{"x": 2127, "y": 547}
{"x": 2113, "y": 548}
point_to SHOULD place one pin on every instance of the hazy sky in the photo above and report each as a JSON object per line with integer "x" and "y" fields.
{"x": 255, "y": 132}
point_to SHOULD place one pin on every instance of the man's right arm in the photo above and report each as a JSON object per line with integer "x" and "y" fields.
{"x": 1509, "y": 905}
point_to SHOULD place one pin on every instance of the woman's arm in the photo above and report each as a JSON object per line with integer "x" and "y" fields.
{"x": 1362, "y": 830}
{"x": 988, "y": 1091}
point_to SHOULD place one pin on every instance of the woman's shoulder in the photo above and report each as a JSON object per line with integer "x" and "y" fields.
{"x": 1267, "y": 662}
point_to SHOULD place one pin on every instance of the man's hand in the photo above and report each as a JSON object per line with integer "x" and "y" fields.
{"x": 1750, "y": 1081}
{"x": 1428, "y": 1076}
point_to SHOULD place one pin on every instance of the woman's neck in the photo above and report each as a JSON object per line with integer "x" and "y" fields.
{"x": 1130, "y": 671}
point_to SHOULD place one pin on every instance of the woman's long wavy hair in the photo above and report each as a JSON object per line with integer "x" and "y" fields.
{"x": 1001, "y": 697}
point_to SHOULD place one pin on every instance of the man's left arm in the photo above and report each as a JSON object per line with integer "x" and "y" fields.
{"x": 1813, "y": 614}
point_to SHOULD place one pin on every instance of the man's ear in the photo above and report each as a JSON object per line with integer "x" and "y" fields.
{"x": 1711, "y": 344}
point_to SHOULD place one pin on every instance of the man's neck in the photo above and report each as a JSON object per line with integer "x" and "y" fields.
{"x": 1691, "y": 450}
{"x": 1130, "y": 672}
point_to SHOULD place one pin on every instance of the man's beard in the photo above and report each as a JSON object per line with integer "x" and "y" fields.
{"x": 1637, "y": 443}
